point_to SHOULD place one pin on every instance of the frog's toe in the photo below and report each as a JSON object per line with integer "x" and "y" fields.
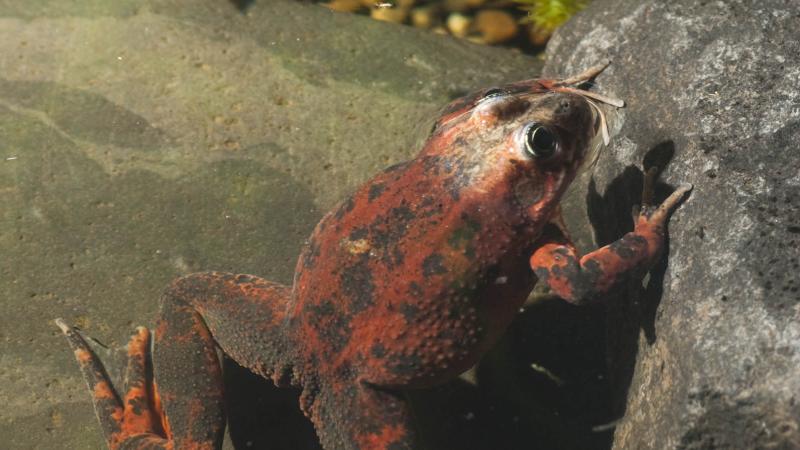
{"x": 140, "y": 414}
{"x": 107, "y": 405}
{"x": 135, "y": 420}
{"x": 660, "y": 214}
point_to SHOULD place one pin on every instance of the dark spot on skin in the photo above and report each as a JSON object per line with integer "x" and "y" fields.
{"x": 310, "y": 254}
{"x": 378, "y": 350}
{"x": 396, "y": 167}
{"x": 138, "y": 405}
{"x": 357, "y": 284}
{"x": 344, "y": 371}
{"x": 580, "y": 281}
{"x": 459, "y": 178}
{"x": 405, "y": 365}
{"x": 415, "y": 289}
{"x": 409, "y": 311}
{"x": 464, "y": 236}
{"x": 395, "y": 259}
{"x": 583, "y": 282}
{"x": 433, "y": 265}
{"x": 387, "y": 230}
{"x": 358, "y": 233}
{"x": 333, "y": 327}
{"x": 345, "y": 208}
{"x": 431, "y": 165}
{"x": 375, "y": 191}
{"x": 629, "y": 246}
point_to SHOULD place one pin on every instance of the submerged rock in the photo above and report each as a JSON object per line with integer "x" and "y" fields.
{"x": 708, "y": 355}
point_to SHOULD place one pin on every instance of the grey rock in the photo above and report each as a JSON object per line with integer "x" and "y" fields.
{"x": 141, "y": 140}
{"x": 713, "y": 89}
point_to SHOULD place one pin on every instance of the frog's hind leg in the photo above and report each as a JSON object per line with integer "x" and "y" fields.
{"x": 244, "y": 316}
{"x": 359, "y": 416}
{"x": 130, "y": 422}
{"x": 241, "y": 314}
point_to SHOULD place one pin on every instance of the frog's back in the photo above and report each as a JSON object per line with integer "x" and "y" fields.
{"x": 399, "y": 270}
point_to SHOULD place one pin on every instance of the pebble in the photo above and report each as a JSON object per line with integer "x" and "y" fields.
{"x": 537, "y": 36}
{"x": 481, "y": 21}
{"x": 394, "y": 15}
{"x": 458, "y": 24}
{"x": 495, "y": 26}
{"x": 425, "y": 17}
{"x": 405, "y": 4}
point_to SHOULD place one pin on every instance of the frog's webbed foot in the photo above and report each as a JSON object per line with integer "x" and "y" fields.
{"x": 577, "y": 279}
{"x": 135, "y": 419}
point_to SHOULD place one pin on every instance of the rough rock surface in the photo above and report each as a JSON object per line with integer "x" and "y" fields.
{"x": 143, "y": 140}
{"x": 713, "y": 86}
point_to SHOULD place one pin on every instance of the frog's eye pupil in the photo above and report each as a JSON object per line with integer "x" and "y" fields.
{"x": 539, "y": 141}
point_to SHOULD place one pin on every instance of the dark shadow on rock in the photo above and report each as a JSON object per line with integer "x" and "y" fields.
{"x": 632, "y": 307}
{"x": 541, "y": 387}
{"x": 84, "y": 115}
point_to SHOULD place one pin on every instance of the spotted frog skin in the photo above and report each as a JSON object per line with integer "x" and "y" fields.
{"x": 404, "y": 285}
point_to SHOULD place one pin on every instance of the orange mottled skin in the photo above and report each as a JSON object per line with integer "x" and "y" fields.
{"x": 405, "y": 284}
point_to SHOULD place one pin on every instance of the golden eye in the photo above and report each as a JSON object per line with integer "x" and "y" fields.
{"x": 539, "y": 141}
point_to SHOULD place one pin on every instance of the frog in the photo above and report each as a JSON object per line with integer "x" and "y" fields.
{"x": 403, "y": 285}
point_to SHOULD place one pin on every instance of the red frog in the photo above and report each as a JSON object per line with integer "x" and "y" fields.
{"x": 404, "y": 285}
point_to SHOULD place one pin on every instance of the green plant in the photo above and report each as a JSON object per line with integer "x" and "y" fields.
{"x": 547, "y": 15}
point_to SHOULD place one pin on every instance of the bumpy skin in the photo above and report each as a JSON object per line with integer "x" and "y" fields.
{"x": 406, "y": 284}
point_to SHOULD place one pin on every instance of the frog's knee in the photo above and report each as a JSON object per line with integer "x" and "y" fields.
{"x": 196, "y": 287}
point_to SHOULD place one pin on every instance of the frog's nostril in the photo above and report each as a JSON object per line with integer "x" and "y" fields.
{"x": 564, "y": 106}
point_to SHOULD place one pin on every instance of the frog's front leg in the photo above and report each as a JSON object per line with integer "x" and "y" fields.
{"x": 182, "y": 405}
{"x": 576, "y": 279}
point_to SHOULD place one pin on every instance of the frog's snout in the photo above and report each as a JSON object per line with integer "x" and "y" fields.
{"x": 565, "y": 107}
{"x": 570, "y": 111}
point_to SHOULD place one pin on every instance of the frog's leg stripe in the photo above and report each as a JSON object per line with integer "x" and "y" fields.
{"x": 358, "y": 416}
{"x": 576, "y": 279}
{"x": 131, "y": 424}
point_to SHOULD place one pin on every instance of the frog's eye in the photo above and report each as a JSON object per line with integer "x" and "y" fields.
{"x": 493, "y": 93}
{"x": 539, "y": 141}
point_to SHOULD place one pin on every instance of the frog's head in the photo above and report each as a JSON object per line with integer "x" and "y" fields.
{"x": 527, "y": 140}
